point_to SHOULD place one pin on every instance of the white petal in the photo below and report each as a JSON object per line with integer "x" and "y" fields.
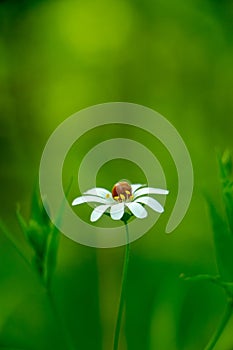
{"x": 152, "y": 203}
{"x": 100, "y": 192}
{"x": 98, "y": 212}
{"x": 137, "y": 210}
{"x": 135, "y": 187}
{"x": 149, "y": 190}
{"x": 117, "y": 211}
{"x": 88, "y": 199}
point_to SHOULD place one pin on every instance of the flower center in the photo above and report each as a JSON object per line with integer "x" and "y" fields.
{"x": 122, "y": 191}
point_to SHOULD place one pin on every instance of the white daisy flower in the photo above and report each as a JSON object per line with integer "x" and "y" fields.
{"x": 123, "y": 197}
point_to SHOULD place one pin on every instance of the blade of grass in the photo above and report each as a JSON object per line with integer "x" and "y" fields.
{"x": 13, "y": 242}
{"x": 53, "y": 243}
{"x": 223, "y": 242}
{"x": 38, "y": 212}
{"x": 226, "y": 177}
{"x": 221, "y": 327}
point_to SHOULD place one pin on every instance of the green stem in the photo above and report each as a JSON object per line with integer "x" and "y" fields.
{"x": 123, "y": 290}
{"x": 222, "y": 325}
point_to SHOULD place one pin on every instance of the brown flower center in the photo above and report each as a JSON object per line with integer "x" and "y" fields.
{"x": 122, "y": 191}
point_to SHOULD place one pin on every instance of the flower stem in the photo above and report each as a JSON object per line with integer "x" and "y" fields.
{"x": 222, "y": 325}
{"x": 123, "y": 289}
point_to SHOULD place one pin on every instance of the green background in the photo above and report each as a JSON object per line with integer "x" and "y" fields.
{"x": 57, "y": 57}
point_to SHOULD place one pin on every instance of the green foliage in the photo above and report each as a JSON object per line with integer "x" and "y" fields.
{"x": 223, "y": 241}
{"x": 222, "y": 224}
{"x": 51, "y": 254}
{"x": 222, "y": 227}
{"x": 226, "y": 176}
{"x": 42, "y": 236}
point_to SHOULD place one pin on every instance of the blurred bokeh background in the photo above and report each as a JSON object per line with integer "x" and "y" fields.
{"x": 57, "y": 57}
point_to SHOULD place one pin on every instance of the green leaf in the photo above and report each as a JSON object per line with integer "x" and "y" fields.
{"x": 227, "y": 286}
{"x": 15, "y": 244}
{"x": 22, "y": 223}
{"x": 53, "y": 243}
{"x": 51, "y": 255}
{"x": 226, "y": 176}
{"x": 38, "y": 212}
{"x": 38, "y": 265}
{"x": 37, "y": 236}
{"x": 200, "y": 277}
{"x": 225, "y": 164}
{"x": 223, "y": 241}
